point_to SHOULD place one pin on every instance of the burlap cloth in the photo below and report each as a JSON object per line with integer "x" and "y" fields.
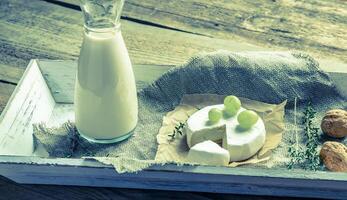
{"x": 270, "y": 77}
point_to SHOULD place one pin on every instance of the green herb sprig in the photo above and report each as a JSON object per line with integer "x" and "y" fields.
{"x": 178, "y": 130}
{"x": 307, "y": 156}
{"x": 297, "y": 156}
{"x": 311, "y": 153}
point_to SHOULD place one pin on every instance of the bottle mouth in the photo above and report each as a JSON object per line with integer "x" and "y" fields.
{"x": 100, "y": 15}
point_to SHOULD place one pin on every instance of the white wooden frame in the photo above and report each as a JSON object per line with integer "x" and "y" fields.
{"x": 33, "y": 101}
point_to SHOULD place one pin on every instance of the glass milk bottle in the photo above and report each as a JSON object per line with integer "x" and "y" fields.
{"x": 106, "y": 105}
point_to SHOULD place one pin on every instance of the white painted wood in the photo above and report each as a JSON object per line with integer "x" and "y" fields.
{"x": 62, "y": 91}
{"x": 239, "y": 171}
{"x": 340, "y": 80}
{"x": 65, "y": 70}
{"x": 175, "y": 180}
{"x": 33, "y": 101}
{"x": 61, "y": 114}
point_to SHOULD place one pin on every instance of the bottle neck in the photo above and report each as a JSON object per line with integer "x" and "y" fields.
{"x": 101, "y": 33}
{"x": 103, "y": 29}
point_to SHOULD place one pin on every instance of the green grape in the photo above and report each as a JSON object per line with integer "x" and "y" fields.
{"x": 232, "y": 105}
{"x": 214, "y": 115}
{"x": 247, "y": 119}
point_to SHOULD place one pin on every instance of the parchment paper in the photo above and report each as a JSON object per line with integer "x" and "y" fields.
{"x": 176, "y": 150}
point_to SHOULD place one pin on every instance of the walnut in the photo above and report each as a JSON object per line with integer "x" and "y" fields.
{"x": 334, "y": 156}
{"x": 334, "y": 123}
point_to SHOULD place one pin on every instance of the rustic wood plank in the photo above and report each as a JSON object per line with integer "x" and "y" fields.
{"x": 315, "y": 26}
{"x": 5, "y": 93}
{"x": 56, "y": 33}
{"x": 11, "y": 190}
{"x": 9, "y": 77}
{"x": 10, "y": 74}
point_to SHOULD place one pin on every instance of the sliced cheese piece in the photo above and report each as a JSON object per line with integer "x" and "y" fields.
{"x": 243, "y": 144}
{"x": 199, "y": 128}
{"x": 208, "y": 153}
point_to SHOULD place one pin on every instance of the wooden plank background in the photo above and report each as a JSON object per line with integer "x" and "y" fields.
{"x": 160, "y": 32}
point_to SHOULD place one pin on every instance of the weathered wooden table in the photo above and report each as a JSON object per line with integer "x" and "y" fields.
{"x": 160, "y": 32}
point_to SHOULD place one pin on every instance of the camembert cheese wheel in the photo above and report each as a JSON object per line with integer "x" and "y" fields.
{"x": 199, "y": 128}
{"x": 241, "y": 144}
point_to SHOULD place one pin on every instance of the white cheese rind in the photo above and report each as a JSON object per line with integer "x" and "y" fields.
{"x": 208, "y": 153}
{"x": 199, "y": 129}
{"x": 243, "y": 144}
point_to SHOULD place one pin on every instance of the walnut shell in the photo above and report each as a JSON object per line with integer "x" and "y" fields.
{"x": 334, "y": 123}
{"x": 334, "y": 156}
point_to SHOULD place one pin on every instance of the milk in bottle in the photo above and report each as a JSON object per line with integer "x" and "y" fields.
{"x": 105, "y": 92}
